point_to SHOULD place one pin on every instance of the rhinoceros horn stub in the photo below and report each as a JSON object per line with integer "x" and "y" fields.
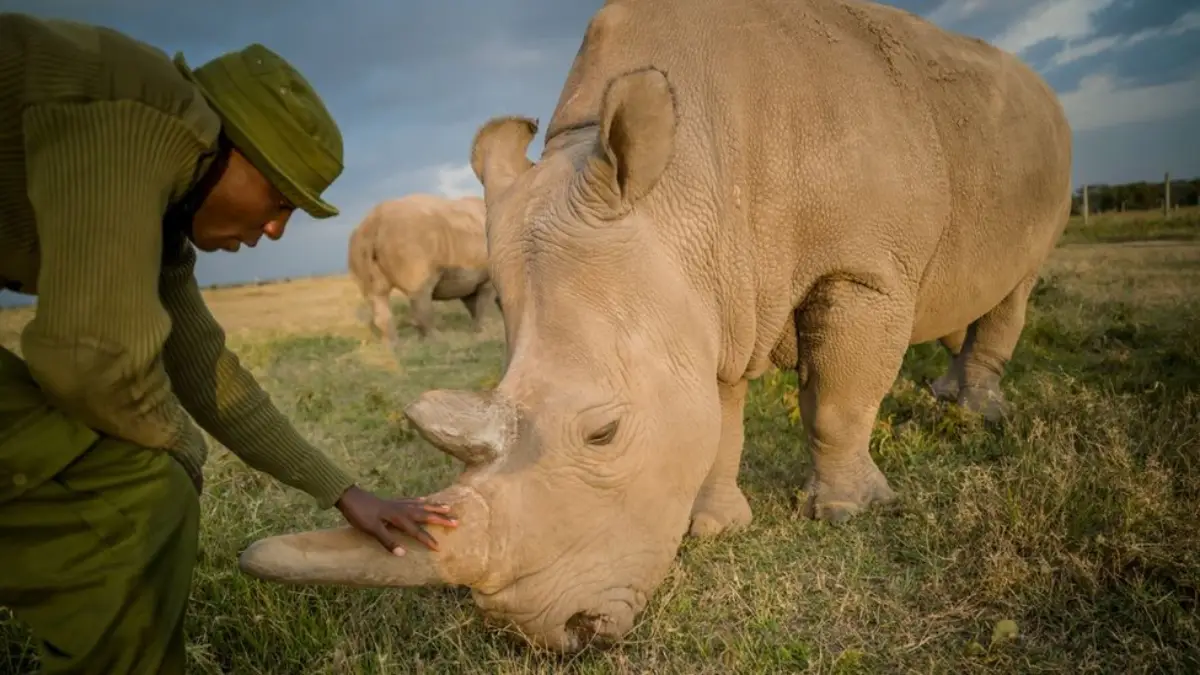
{"x": 475, "y": 427}
{"x": 345, "y": 556}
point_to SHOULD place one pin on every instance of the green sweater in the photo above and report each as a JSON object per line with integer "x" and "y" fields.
{"x": 99, "y": 134}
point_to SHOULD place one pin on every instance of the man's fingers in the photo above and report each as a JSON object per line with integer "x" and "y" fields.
{"x": 417, "y": 532}
{"x": 438, "y": 520}
{"x": 420, "y": 504}
{"x": 389, "y": 541}
{"x": 413, "y": 530}
{"x": 421, "y": 512}
{"x": 426, "y": 539}
{"x": 424, "y": 513}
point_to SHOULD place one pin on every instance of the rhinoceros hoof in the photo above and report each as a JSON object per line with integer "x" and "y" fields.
{"x": 986, "y": 401}
{"x": 838, "y": 503}
{"x": 724, "y": 511}
{"x": 945, "y": 388}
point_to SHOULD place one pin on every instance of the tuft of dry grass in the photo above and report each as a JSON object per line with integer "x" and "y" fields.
{"x": 1064, "y": 540}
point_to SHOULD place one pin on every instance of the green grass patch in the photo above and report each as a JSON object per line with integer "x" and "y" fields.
{"x": 1139, "y": 226}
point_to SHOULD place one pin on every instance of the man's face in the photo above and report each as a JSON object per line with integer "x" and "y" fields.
{"x": 242, "y": 207}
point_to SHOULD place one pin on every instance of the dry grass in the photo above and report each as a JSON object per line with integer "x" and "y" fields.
{"x": 1077, "y": 520}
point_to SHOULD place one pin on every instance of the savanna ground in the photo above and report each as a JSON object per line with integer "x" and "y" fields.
{"x": 1076, "y": 521}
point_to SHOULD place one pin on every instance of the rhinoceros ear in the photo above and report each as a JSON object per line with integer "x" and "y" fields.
{"x": 637, "y": 137}
{"x": 498, "y": 151}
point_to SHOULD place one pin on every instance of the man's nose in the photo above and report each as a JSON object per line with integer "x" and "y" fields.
{"x": 275, "y": 228}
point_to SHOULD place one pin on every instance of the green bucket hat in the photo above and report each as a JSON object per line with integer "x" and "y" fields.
{"x": 274, "y": 117}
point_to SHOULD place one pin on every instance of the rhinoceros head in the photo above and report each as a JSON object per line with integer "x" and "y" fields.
{"x": 582, "y": 465}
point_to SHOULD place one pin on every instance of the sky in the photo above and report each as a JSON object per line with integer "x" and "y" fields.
{"x": 409, "y": 83}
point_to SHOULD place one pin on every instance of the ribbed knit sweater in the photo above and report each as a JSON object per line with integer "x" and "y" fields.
{"x": 99, "y": 135}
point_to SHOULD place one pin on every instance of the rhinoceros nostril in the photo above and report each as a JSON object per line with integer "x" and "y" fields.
{"x": 588, "y": 629}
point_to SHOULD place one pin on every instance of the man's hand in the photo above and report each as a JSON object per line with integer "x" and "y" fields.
{"x": 372, "y": 515}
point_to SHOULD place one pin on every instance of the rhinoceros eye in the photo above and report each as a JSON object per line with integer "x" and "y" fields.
{"x": 603, "y": 435}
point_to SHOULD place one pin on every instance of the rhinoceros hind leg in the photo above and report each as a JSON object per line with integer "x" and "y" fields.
{"x": 381, "y": 317}
{"x": 851, "y": 341}
{"x": 987, "y": 350}
{"x": 946, "y": 387}
{"x": 721, "y": 506}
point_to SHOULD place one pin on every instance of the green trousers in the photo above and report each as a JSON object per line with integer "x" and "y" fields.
{"x": 98, "y": 539}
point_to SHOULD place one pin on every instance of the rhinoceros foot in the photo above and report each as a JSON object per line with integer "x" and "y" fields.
{"x": 838, "y": 497}
{"x": 717, "y": 511}
{"x": 426, "y": 334}
{"x": 987, "y": 401}
{"x": 945, "y": 388}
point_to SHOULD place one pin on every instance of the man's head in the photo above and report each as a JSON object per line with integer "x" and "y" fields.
{"x": 285, "y": 149}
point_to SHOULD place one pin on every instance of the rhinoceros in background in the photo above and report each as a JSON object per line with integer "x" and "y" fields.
{"x": 725, "y": 185}
{"x": 429, "y": 247}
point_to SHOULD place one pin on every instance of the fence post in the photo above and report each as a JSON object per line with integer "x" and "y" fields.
{"x": 1167, "y": 195}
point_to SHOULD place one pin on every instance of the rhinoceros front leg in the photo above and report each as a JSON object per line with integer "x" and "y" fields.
{"x": 987, "y": 349}
{"x": 721, "y": 506}
{"x": 851, "y": 342}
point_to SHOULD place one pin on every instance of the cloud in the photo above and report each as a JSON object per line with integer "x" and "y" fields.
{"x": 448, "y": 179}
{"x": 1103, "y": 101}
{"x": 456, "y": 181}
{"x": 501, "y": 52}
{"x": 1064, "y": 20}
{"x": 1074, "y": 52}
{"x": 953, "y": 11}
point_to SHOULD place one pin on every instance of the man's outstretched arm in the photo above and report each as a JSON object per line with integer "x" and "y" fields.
{"x": 224, "y": 397}
{"x": 227, "y": 401}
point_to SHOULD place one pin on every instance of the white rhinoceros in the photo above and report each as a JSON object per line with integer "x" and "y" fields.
{"x": 430, "y": 248}
{"x": 722, "y": 181}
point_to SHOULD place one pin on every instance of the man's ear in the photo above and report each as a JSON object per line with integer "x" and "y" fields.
{"x": 636, "y": 138}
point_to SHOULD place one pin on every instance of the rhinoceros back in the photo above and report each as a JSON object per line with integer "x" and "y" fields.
{"x": 825, "y": 137}
{"x": 433, "y": 230}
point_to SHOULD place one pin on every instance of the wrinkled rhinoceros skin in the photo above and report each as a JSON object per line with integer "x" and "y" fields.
{"x": 725, "y": 186}
{"x": 430, "y": 248}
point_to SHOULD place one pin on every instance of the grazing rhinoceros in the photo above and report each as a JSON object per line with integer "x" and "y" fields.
{"x": 429, "y": 247}
{"x": 722, "y": 182}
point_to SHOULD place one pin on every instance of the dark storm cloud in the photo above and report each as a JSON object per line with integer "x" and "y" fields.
{"x": 1124, "y": 18}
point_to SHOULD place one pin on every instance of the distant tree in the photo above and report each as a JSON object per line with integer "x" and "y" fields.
{"x": 1139, "y": 196}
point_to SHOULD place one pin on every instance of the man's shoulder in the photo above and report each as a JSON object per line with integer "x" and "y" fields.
{"x": 140, "y": 71}
{"x": 69, "y": 61}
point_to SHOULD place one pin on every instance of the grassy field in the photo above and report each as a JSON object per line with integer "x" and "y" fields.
{"x": 1077, "y": 521}
{"x": 1135, "y": 226}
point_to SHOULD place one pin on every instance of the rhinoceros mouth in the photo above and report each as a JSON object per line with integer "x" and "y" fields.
{"x": 588, "y": 629}
{"x": 572, "y": 621}
{"x": 607, "y": 622}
